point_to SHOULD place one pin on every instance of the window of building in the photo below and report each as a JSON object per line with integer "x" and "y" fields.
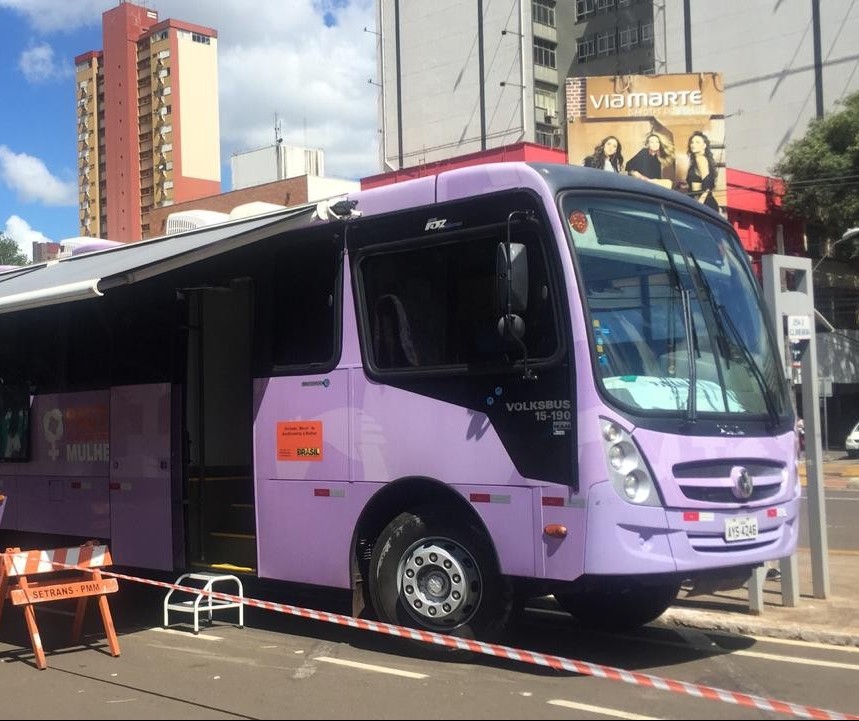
{"x": 544, "y": 53}
{"x": 198, "y": 38}
{"x": 584, "y": 9}
{"x": 647, "y": 34}
{"x": 546, "y": 101}
{"x": 606, "y": 43}
{"x": 543, "y": 12}
{"x": 628, "y": 37}
{"x": 549, "y": 138}
{"x": 605, "y": 5}
{"x": 586, "y": 48}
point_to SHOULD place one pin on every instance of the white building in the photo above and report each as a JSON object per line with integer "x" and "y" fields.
{"x": 274, "y": 162}
{"x": 460, "y": 76}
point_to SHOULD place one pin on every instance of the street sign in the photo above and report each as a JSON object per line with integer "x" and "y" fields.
{"x": 798, "y": 328}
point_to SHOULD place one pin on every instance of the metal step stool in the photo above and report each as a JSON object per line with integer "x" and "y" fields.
{"x": 203, "y": 599}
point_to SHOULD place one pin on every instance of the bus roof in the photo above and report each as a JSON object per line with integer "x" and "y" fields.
{"x": 89, "y": 275}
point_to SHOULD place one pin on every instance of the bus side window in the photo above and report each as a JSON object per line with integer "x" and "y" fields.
{"x": 302, "y": 313}
{"x": 435, "y": 305}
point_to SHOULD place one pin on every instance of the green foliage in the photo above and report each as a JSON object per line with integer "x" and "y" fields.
{"x": 821, "y": 174}
{"x": 10, "y": 253}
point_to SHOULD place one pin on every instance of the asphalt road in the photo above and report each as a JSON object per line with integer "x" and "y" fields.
{"x": 842, "y": 509}
{"x": 285, "y": 667}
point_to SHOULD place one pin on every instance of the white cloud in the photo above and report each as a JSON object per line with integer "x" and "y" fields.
{"x": 31, "y": 180}
{"x": 20, "y": 231}
{"x": 48, "y": 16}
{"x": 309, "y": 66}
{"x": 38, "y": 65}
{"x": 306, "y": 61}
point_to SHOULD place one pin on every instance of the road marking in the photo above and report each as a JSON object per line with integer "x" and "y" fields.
{"x": 604, "y": 710}
{"x": 807, "y": 644}
{"x": 801, "y": 661}
{"x": 767, "y": 656}
{"x": 713, "y": 647}
{"x": 370, "y": 667}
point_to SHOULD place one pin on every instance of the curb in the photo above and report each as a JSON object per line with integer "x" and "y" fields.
{"x": 755, "y": 626}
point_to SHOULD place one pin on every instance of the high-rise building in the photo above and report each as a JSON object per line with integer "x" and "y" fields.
{"x": 147, "y": 119}
{"x": 459, "y": 76}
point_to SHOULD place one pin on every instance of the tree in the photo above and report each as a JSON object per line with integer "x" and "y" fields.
{"x": 821, "y": 175}
{"x": 10, "y": 253}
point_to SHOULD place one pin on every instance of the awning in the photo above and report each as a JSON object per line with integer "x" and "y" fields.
{"x": 91, "y": 274}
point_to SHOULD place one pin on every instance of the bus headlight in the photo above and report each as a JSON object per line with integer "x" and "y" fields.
{"x": 627, "y": 470}
{"x": 610, "y": 432}
{"x": 615, "y": 456}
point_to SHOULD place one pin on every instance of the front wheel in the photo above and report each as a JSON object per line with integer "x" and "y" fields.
{"x": 618, "y": 604}
{"x": 430, "y": 574}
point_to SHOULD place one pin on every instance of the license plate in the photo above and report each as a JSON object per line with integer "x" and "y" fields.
{"x": 743, "y": 528}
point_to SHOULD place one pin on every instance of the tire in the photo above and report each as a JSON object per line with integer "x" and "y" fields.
{"x": 438, "y": 576}
{"x": 618, "y": 604}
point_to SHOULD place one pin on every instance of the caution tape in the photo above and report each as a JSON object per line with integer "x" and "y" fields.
{"x": 558, "y": 663}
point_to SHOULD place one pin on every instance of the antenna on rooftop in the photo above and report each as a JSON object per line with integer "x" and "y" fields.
{"x": 278, "y": 136}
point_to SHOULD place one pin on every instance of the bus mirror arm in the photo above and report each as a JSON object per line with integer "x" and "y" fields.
{"x": 511, "y": 288}
{"x": 512, "y": 327}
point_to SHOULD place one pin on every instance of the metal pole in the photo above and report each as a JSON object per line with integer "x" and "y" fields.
{"x": 687, "y": 33}
{"x": 801, "y": 302}
{"x": 481, "y": 72}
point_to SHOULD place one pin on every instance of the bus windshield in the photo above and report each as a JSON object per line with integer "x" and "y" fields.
{"x": 676, "y": 319}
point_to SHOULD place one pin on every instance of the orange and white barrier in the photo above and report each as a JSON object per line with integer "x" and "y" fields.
{"x": 75, "y": 573}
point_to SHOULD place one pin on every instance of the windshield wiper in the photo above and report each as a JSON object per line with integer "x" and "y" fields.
{"x": 722, "y": 318}
{"x": 688, "y": 328}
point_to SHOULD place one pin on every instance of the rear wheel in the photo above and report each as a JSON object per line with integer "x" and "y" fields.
{"x": 439, "y": 576}
{"x": 613, "y": 604}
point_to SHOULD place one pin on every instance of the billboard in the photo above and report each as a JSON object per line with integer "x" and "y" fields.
{"x": 668, "y": 129}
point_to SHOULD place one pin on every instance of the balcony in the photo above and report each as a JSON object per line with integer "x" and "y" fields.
{"x": 544, "y": 32}
{"x": 543, "y": 74}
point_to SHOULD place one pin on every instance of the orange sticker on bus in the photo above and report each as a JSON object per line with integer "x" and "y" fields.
{"x": 299, "y": 440}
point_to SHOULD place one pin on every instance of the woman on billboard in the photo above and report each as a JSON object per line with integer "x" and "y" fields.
{"x": 647, "y": 163}
{"x": 701, "y": 176}
{"x": 607, "y": 155}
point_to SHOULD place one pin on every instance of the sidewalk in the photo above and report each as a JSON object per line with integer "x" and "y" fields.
{"x": 839, "y": 471}
{"x": 833, "y": 620}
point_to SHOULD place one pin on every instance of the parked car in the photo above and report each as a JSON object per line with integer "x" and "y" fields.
{"x": 851, "y": 445}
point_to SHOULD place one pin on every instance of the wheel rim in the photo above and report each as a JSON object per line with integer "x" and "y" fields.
{"x": 440, "y": 583}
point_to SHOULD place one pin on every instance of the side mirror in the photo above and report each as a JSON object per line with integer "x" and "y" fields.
{"x": 511, "y": 278}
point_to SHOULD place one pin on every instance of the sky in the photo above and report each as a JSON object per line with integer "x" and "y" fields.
{"x": 312, "y": 62}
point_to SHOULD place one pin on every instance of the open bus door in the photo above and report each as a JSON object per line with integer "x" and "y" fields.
{"x": 218, "y": 427}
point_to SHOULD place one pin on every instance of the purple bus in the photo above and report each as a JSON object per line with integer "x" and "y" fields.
{"x": 503, "y": 381}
